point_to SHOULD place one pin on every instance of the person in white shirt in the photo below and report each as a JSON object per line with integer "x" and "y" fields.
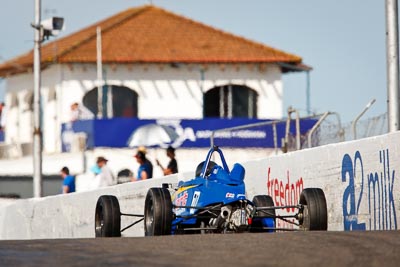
{"x": 75, "y": 113}
{"x": 80, "y": 113}
{"x": 105, "y": 177}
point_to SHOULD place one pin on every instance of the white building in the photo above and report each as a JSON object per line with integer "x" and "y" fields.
{"x": 156, "y": 65}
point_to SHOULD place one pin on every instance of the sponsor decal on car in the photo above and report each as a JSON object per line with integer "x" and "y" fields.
{"x": 195, "y": 200}
{"x": 181, "y": 200}
{"x": 180, "y": 190}
{"x": 230, "y": 195}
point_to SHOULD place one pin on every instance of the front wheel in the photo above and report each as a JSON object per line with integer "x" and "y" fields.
{"x": 268, "y": 215}
{"x": 107, "y": 217}
{"x": 157, "y": 212}
{"x": 314, "y": 214}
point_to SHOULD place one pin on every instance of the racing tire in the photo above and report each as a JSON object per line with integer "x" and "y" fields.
{"x": 158, "y": 212}
{"x": 314, "y": 213}
{"x": 107, "y": 217}
{"x": 263, "y": 201}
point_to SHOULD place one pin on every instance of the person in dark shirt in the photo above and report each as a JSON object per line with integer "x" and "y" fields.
{"x": 172, "y": 165}
{"x": 145, "y": 170}
{"x": 2, "y": 116}
{"x": 68, "y": 185}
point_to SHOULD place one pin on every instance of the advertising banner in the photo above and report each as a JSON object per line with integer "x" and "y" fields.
{"x": 124, "y": 132}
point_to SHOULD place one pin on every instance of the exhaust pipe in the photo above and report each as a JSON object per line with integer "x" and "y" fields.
{"x": 223, "y": 216}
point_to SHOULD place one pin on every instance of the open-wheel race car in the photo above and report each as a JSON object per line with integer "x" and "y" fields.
{"x": 213, "y": 202}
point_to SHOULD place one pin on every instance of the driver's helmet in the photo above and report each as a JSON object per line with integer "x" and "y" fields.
{"x": 210, "y": 167}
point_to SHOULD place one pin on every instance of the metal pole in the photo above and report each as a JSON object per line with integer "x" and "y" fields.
{"x": 37, "y": 132}
{"x": 202, "y": 88}
{"x": 275, "y": 138}
{"x": 308, "y": 94}
{"x": 353, "y": 125}
{"x": 298, "y": 144}
{"x": 99, "y": 76}
{"x": 230, "y": 102}
{"x": 392, "y": 55}
{"x": 110, "y": 112}
{"x": 314, "y": 128}
{"x": 221, "y": 102}
{"x": 288, "y": 120}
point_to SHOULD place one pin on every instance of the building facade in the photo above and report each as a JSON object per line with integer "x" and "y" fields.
{"x": 155, "y": 65}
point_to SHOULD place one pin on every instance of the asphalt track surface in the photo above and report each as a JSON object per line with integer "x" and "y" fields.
{"x": 275, "y": 249}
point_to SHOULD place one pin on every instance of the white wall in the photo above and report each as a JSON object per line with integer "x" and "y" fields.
{"x": 346, "y": 172}
{"x": 20, "y": 109}
{"x": 166, "y": 92}
{"x": 71, "y": 215}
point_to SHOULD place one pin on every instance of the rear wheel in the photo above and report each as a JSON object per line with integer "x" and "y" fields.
{"x": 268, "y": 219}
{"x": 157, "y": 212}
{"x": 107, "y": 217}
{"x": 314, "y": 215}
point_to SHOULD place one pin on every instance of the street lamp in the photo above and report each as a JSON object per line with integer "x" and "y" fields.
{"x": 43, "y": 30}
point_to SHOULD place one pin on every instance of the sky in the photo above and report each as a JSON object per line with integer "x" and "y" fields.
{"x": 343, "y": 41}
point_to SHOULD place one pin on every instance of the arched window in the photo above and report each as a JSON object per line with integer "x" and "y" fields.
{"x": 230, "y": 101}
{"x": 123, "y": 102}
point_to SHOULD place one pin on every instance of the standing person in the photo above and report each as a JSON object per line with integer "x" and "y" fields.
{"x": 2, "y": 116}
{"x": 68, "y": 185}
{"x": 145, "y": 170}
{"x": 106, "y": 177}
{"x": 75, "y": 113}
{"x": 172, "y": 165}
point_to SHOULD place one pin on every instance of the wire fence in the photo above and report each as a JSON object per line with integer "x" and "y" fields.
{"x": 330, "y": 131}
{"x": 327, "y": 130}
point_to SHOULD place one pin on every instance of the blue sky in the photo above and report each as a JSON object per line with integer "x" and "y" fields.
{"x": 344, "y": 41}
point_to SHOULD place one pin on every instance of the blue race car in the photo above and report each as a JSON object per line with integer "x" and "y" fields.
{"x": 213, "y": 202}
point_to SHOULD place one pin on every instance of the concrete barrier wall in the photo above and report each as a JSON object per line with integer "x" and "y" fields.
{"x": 72, "y": 215}
{"x": 358, "y": 178}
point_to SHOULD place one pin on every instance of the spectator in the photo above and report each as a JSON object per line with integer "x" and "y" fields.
{"x": 68, "y": 185}
{"x": 80, "y": 113}
{"x": 172, "y": 165}
{"x": 145, "y": 170}
{"x": 105, "y": 177}
{"x": 2, "y": 116}
{"x": 75, "y": 112}
{"x": 96, "y": 171}
{"x": 143, "y": 149}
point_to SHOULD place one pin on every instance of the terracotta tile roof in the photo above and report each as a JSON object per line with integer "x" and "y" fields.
{"x": 149, "y": 34}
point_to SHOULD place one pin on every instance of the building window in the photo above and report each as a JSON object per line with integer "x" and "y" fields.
{"x": 118, "y": 101}
{"x": 230, "y": 101}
